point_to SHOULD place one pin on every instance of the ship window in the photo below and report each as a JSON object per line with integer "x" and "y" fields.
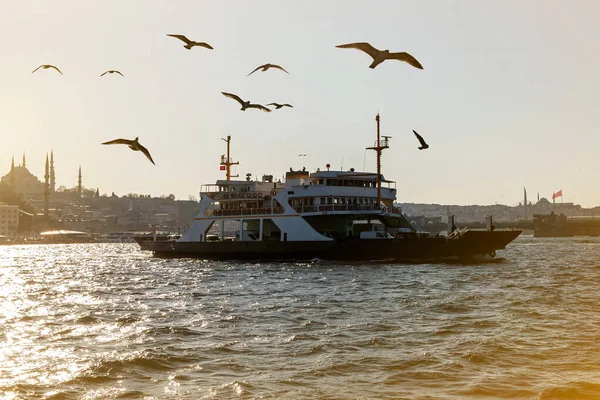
{"x": 320, "y": 181}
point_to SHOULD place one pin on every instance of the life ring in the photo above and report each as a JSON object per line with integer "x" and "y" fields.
{"x": 384, "y": 209}
{"x": 254, "y": 194}
{"x": 273, "y": 192}
{"x": 260, "y": 194}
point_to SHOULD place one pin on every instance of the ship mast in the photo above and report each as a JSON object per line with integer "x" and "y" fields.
{"x": 227, "y": 161}
{"x": 380, "y": 145}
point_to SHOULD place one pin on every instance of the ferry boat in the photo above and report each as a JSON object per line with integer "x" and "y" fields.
{"x": 328, "y": 215}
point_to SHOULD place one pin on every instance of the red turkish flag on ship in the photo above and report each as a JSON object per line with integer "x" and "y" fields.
{"x": 557, "y": 194}
{"x": 222, "y": 168}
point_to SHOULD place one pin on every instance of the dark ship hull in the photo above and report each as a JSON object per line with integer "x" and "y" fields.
{"x": 410, "y": 247}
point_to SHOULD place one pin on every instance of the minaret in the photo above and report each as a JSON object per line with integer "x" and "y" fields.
{"x": 525, "y": 204}
{"x": 13, "y": 178}
{"x": 79, "y": 183}
{"x": 24, "y": 165}
{"x": 52, "y": 177}
{"x": 46, "y": 187}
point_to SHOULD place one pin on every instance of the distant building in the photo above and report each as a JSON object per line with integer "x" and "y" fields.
{"x": 23, "y": 181}
{"x": 9, "y": 219}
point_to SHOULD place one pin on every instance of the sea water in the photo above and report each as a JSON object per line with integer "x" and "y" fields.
{"x": 108, "y": 321}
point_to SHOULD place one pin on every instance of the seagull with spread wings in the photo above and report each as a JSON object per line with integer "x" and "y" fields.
{"x": 245, "y": 104}
{"x": 278, "y": 106}
{"x": 190, "y": 43}
{"x": 112, "y": 71}
{"x": 380, "y": 56}
{"x": 421, "y": 140}
{"x": 266, "y": 67}
{"x": 46, "y": 66}
{"x": 133, "y": 145}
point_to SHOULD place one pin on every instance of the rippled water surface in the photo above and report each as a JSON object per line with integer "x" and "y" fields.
{"x": 106, "y": 321}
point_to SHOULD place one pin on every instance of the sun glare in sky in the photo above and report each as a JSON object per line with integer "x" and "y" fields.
{"x": 507, "y": 96}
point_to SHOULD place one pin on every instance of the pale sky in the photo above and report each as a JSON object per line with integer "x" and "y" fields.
{"x": 509, "y": 95}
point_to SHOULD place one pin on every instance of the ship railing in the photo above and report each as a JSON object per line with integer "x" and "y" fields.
{"x": 244, "y": 211}
{"x": 458, "y": 233}
{"x": 251, "y": 195}
{"x": 345, "y": 207}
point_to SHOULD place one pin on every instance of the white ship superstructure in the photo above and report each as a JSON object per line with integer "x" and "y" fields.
{"x": 306, "y": 207}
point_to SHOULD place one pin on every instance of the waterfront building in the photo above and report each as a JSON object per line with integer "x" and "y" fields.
{"x": 9, "y": 220}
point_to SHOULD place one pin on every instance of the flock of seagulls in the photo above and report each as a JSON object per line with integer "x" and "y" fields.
{"x": 46, "y": 66}
{"x": 377, "y": 55}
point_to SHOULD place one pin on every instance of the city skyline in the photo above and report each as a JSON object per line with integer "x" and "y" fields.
{"x": 497, "y": 103}
{"x": 78, "y": 177}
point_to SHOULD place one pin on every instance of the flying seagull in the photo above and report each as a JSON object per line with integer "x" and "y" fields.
{"x": 190, "y": 43}
{"x": 266, "y": 67}
{"x": 46, "y": 66}
{"x": 245, "y": 104}
{"x": 133, "y": 145}
{"x": 380, "y": 56}
{"x": 421, "y": 140}
{"x": 302, "y": 155}
{"x": 112, "y": 71}
{"x": 278, "y": 106}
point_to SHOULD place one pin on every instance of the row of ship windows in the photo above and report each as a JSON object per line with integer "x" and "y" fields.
{"x": 346, "y": 182}
{"x": 326, "y": 182}
{"x": 309, "y": 201}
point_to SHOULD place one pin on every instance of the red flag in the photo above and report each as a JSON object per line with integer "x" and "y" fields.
{"x": 557, "y": 194}
{"x": 222, "y": 168}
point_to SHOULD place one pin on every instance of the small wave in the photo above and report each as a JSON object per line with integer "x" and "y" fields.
{"x": 572, "y": 390}
{"x": 226, "y": 347}
{"x": 142, "y": 364}
{"x": 131, "y": 394}
{"x": 87, "y": 320}
{"x": 171, "y": 330}
{"x": 239, "y": 388}
{"x": 301, "y": 337}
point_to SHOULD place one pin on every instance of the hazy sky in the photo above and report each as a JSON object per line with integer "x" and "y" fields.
{"x": 509, "y": 95}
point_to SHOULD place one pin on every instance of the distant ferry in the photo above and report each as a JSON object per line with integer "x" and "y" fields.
{"x": 329, "y": 215}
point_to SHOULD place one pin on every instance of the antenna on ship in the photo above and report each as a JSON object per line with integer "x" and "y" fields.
{"x": 380, "y": 145}
{"x": 227, "y": 161}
